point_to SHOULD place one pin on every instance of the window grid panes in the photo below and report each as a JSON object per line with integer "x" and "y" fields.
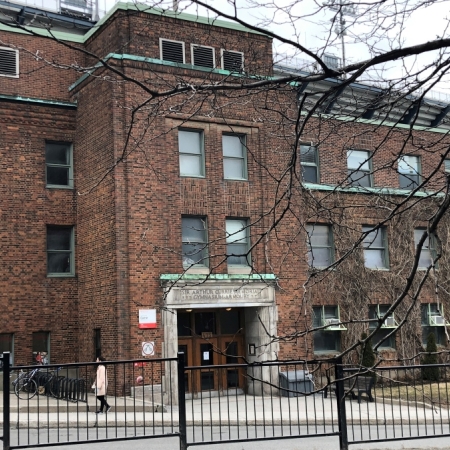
{"x": 376, "y": 312}
{"x": 237, "y": 239}
{"x": 58, "y": 159}
{"x": 41, "y": 344}
{"x": 375, "y": 248}
{"x": 325, "y": 340}
{"x": 359, "y": 166}
{"x": 409, "y": 171}
{"x": 429, "y": 310}
{"x": 309, "y": 164}
{"x": 234, "y": 157}
{"x": 428, "y": 251}
{"x": 320, "y": 245}
{"x": 194, "y": 241}
{"x": 190, "y": 146}
{"x": 60, "y": 254}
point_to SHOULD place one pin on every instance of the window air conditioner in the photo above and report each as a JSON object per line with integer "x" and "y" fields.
{"x": 437, "y": 320}
{"x": 332, "y": 322}
{"x": 389, "y": 322}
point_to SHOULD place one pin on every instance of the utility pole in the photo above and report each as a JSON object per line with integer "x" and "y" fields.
{"x": 340, "y": 28}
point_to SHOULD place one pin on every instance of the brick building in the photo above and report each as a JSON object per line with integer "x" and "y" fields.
{"x": 139, "y": 223}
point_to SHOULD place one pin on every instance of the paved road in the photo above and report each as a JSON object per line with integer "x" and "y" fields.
{"x": 310, "y": 443}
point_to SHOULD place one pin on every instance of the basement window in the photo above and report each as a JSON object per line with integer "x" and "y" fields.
{"x": 172, "y": 51}
{"x": 202, "y": 56}
{"x": 9, "y": 62}
{"x": 232, "y": 61}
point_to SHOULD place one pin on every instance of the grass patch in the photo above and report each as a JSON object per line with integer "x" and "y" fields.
{"x": 431, "y": 393}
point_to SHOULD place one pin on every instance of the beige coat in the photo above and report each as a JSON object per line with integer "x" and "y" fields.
{"x": 102, "y": 380}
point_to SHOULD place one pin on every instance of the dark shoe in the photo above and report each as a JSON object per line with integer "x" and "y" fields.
{"x": 99, "y": 412}
{"x": 108, "y": 409}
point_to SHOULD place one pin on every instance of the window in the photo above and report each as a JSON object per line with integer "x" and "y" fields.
{"x": 375, "y": 248}
{"x": 238, "y": 242}
{"x": 172, "y": 51}
{"x": 7, "y": 345}
{"x": 409, "y": 172}
{"x": 327, "y": 339}
{"x": 320, "y": 245}
{"x": 190, "y": 146}
{"x": 309, "y": 163}
{"x": 203, "y": 56}
{"x": 359, "y": 164}
{"x": 194, "y": 241}
{"x": 447, "y": 166}
{"x": 232, "y": 61}
{"x": 60, "y": 253}
{"x": 41, "y": 347}
{"x": 433, "y": 321}
{"x": 9, "y": 62}
{"x": 377, "y": 312}
{"x": 428, "y": 252}
{"x": 234, "y": 157}
{"x": 97, "y": 343}
{"x": 58, "y": 159}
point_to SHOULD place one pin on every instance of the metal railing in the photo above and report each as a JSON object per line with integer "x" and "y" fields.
{"x": 203, "y": 405}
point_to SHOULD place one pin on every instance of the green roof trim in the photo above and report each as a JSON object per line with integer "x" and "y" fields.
{"x": 39, "y": 101}
{"x": 161, "y": 62}
{"x": 369, "y": 190}
{"x": 59, "y": 35}
{"x": 218, "y": 277}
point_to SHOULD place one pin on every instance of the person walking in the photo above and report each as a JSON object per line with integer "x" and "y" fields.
{"x": 101, "y": 385}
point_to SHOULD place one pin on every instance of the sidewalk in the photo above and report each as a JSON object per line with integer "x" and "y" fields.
{"x": 234, "y": 410}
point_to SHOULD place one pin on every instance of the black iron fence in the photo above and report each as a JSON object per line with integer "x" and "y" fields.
{"x": 202, "y": 405}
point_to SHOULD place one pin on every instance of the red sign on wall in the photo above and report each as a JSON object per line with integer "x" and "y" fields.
{"x": 147, "y": 318}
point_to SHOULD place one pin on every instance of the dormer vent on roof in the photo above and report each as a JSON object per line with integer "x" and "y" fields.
{"x": 172, "y": 51}
{"x": 203, "y": 56}
{"x": 9, "y": 62}
{"x": 232, "y": 61}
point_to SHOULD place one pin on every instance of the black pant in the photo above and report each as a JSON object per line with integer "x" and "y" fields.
{"x": 103, "y": 402}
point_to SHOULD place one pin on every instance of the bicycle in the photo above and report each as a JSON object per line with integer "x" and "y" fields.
{"x": 46, "y": 382}
{"x": 25, "y": 386}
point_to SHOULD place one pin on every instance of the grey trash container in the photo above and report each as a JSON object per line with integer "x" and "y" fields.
{"x": 297, "y": 381}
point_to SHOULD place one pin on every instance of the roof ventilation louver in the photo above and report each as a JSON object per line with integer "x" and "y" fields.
{"x": 203, "y": 56}
{"x": 8, "y": 62}
{"x": 172, "y": 51}
{"x": 233, "y": 61}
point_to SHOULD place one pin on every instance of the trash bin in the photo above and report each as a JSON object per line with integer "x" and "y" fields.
{"x": 298, "y": 382}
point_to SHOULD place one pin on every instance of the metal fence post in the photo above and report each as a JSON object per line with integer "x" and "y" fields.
{"x": 182, "y": 402}
{"x": 340, "y": 398}
{"x": 6, "y": 402}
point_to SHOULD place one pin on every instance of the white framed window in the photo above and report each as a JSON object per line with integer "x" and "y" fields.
{"x": 60, "y": 251}
{"x": 320, "y": 245}
{"x": 7, "y": 345}
{"x": 409, "y": 171}
{"x": 9, "y": 62}
{"x": 433, "y": 321}
{"x": 232, "y": 60}
{"x": 359, "y": 165}
{"x": 447, "y": 166}
{"x": 234, "y": 157}
{"x": 194, "y": 241}
{"x": 428, "y": 252}
{"x": 238, "y": 242}
{"x": 171, "y": 50}
{"x": 377, "y": 312}
{"x": 203, "y": 56}
{"x": 309, "y": 161}
{"x": 191, "y": 150}
{"x": 41, "y": 347}
{"x": 59, "y": 164}
{"x": 327, "y": 339}
{"x": 375, "y": 248}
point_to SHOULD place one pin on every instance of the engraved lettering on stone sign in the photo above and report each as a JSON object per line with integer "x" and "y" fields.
{"x": 220, "y": 294}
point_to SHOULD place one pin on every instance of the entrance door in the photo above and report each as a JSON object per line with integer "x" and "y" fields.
{"x": 212, "y": 337}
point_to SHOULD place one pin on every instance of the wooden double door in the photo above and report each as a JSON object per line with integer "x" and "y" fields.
{"x": 211, "y": 338}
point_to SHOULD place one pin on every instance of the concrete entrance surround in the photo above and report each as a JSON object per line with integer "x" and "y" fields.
{"x": 256, "y": 294}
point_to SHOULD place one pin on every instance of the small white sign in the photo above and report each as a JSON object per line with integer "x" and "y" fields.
{"x": 147, "y": 318}
{"x": 148, "y": 348}
{"x": 205, "y": 356}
